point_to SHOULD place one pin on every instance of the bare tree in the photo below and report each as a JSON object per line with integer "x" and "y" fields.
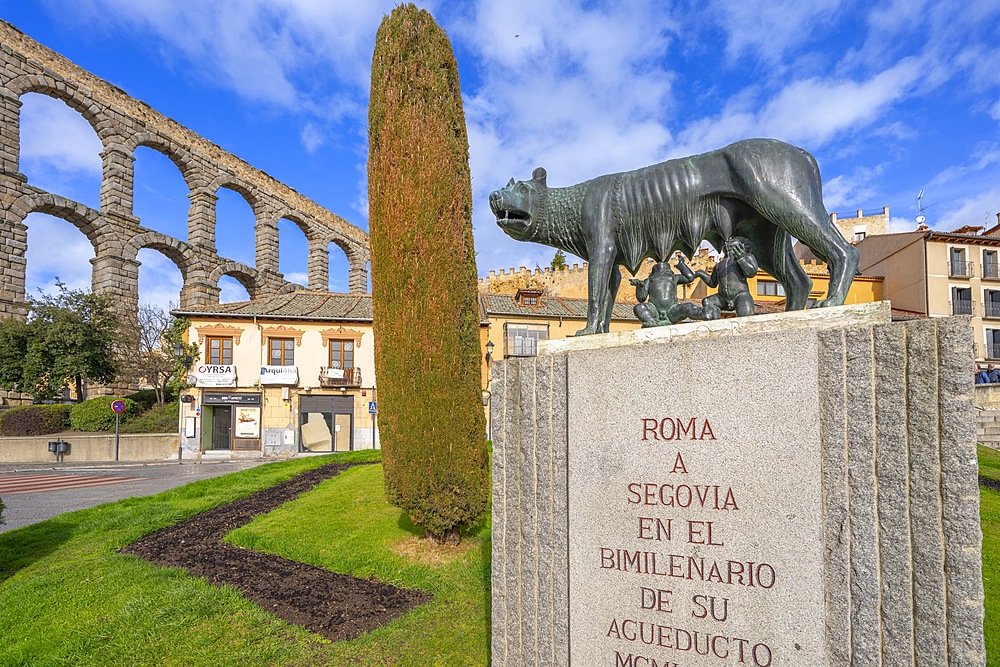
{"x": 150, "y": 359}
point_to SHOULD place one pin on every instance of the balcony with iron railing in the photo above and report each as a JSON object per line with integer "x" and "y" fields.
{"x": 991, "y": 270}
{"x": 991, "y": 309}
{"x": 959, "y": 269}
{"x": 961, "y": 307}
{"x": 339, "y": 377}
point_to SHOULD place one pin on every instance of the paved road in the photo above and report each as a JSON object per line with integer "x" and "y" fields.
{"x": 33, "y": 492}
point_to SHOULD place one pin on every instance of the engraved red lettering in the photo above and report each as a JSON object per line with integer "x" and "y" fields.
{"x": 766, "y": 652}
{"x": 633, "y": 490}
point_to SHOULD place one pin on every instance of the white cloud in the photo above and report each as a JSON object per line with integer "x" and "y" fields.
{"x": 899, "y": 224}
{"x": 769, "y": 28}
{"x": 231, "y": 290}
{"x": 580, "y": 91}
{"x": 846, "y": 193}
{"x": 809, "y": 112}
{"x": 56, "y": 249}
{"x": 988, "y": 155}
{"x": 159, "y": 279}
{"x": 975, "y": 209}
{"x": 264, "y": 50}
{"x": 56, "y": 138}
{"x": 312, "y": 137}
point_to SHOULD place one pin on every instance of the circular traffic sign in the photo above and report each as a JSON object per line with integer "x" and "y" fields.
{"x": 118, "y": 406}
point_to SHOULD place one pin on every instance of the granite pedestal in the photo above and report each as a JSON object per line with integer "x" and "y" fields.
{"x": 790, "y": 490}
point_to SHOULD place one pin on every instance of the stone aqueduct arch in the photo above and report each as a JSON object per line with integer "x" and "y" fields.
{"x": 123, "y": 124}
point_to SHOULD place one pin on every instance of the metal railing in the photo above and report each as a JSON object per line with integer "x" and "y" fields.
{"x": 991, "y": 309}
{"x": 961, "y": 307}
{"x": 958, "y": 268}
{"x": 991, "y": 270}
{"x": 339, "y": 377}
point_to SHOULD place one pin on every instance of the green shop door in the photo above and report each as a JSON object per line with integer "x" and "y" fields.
{"x": 222, "y": 427}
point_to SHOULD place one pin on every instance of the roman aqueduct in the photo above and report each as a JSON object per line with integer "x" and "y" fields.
{"x": 122, "y": 125}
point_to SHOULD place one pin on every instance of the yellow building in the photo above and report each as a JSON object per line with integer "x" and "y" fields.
{"x": 942, "y": 273}
{"x": 767, "y": 291}
{"x": 281, "y": 375}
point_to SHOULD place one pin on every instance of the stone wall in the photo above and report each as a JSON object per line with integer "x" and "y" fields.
{"x": 571, "y": 280}
{"x": 123, "y": 124}
{"x": 871, "y": 224}
{"x": 91, "y": 447}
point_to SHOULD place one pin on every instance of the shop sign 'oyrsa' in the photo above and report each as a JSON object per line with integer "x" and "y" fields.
{"x": 215, "y": 376}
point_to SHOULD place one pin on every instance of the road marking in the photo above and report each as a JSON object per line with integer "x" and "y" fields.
{"x": 11, "y": 483}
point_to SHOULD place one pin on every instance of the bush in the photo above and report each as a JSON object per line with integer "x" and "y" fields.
{"x": 96, "y": 414}
{"x": 35, "y": 420}
{"x": 1, "y": 513}
{"x": 158, "y": 419}
{"x": 146, "y": 398}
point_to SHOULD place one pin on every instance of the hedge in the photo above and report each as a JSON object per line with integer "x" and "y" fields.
{"x": 96, "y": 414}
{"x": 35, "y": 420}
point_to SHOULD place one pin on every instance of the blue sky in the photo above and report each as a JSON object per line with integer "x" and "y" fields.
{"x": 891, "y": 97}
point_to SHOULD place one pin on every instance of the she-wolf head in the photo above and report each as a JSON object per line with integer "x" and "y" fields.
{"x": 518, "y": 204}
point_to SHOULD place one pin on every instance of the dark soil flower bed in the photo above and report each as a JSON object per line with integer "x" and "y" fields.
{"x": 334, "y": 605}
{"x": 989, "y": 483}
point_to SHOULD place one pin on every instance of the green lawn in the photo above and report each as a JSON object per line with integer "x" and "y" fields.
{"x": 989, "y": 511}
{"x": 66, "y": 597}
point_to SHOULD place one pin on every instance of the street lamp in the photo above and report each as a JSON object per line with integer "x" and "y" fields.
{"x": 489, "y": 351}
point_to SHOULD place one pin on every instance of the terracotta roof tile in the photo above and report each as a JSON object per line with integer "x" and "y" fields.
{"x": 296, "y": 305}
{"x": 549, "y": 306}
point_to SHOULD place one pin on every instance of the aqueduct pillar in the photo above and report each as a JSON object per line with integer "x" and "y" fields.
{"x": 117, "y": 174}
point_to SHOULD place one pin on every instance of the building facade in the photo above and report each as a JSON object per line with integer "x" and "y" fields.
{"x": 281, "y": 375}
{"x": 938, "y": 274}
{"x": 295, "y": 373}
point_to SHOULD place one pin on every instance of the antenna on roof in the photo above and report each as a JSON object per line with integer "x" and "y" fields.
{"x": 921, "y": 218}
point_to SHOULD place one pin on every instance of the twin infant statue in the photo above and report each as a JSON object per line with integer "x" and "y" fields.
{"x": 657, "y": 294}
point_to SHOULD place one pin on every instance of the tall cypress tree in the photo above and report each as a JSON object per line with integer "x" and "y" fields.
{"x": 426, "y": 314}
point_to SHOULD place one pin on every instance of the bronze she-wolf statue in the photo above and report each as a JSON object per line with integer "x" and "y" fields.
{"x": 762, "y": 189}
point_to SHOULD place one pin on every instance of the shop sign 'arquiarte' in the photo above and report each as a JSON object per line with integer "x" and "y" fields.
{"x": 279, "y": 375}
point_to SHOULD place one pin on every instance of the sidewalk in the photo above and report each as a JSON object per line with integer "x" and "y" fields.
{"x": 22, "y": 509}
